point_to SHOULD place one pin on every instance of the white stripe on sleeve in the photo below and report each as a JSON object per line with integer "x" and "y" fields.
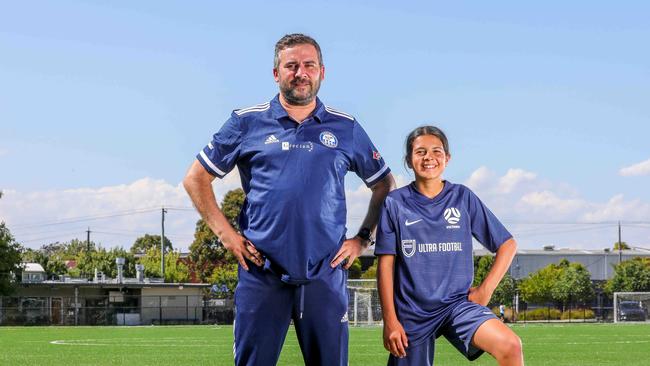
{"x": 376, "y": 175}
{"x": 210, "y": 164}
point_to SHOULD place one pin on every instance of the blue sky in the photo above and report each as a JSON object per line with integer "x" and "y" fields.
{"x": 104, "y": 105}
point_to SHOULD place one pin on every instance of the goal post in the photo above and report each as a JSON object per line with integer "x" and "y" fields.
{"x": 631, "y": 306}
{"x": 364, "y": 308}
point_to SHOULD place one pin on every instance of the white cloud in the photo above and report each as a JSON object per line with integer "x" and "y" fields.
{"x": 3, "y": 152}
{"x": 642, "y": 168}
{"x": 617, "y": 208}
{"x": 480, "y": 179}
{"x": 549, "y": 203}
{"x": 514, "y": 178}
{"x": 538, "y": 211}
{"x": 37, "y": 218}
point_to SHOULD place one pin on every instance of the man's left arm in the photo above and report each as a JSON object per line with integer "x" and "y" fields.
{"x": 353, "y": 247}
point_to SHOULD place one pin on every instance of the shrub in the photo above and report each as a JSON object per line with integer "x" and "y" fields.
{"x": 578, "y": 314}
{"x": 540, "y": 314}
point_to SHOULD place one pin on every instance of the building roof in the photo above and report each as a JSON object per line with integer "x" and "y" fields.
{"x": 566, "y": 251}
{"x": 32, "y": 267}
{"x": 90, "y": 284}
{"x": 480, "y": 251}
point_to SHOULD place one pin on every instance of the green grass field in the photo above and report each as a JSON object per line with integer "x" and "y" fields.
{"x": 548, "y": 344}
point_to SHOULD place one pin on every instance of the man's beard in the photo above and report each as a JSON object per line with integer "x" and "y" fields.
{"x": 290, "y": 95}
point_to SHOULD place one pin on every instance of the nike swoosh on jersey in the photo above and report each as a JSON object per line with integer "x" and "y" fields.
{"x": 407, "y": 223}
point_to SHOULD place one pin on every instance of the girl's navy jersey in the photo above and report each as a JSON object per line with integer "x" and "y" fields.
{"x": 432, "y": 242}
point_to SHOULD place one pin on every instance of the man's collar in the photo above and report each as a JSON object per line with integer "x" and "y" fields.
{"x": 278, "y": 111}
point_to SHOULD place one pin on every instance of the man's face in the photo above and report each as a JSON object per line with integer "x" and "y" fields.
{"x": 299, "y": 74}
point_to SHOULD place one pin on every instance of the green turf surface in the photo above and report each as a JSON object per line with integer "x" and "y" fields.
{"x": 548, "y": 344}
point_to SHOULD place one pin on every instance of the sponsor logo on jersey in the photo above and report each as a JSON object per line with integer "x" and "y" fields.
{"x": 408, "y": 247}
{"x": 376, "y": 155}
{"x": 409, "y": 223}
{"x": 271, "y": 140}
{"x": 309, "y": 146}
{"x": 328, "y": 139}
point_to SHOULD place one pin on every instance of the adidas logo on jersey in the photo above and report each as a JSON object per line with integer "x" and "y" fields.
{"x": 271, "y": 140}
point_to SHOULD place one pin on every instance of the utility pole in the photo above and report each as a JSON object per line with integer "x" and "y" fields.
{"x": 620, "y": 244}
{"x": 88, "y": 240}
{"x": 162, "y": 245}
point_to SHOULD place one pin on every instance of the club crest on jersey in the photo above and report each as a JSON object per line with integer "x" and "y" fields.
{"x": 408, "y": 247}
{"x": 376, "y": 155}
{"x": 328, "y": 139}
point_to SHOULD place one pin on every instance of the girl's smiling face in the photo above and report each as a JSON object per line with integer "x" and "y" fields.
{"x": 428, "y": 158}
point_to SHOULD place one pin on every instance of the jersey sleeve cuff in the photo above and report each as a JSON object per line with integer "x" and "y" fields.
{"x": 508, "y": 237}
{"x": 209, "y": 165}
{"x": 381, "y": 173}
{"x": 384, "y": 251}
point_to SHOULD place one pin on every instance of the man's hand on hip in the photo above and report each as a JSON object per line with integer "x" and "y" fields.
{"x": 242, "y": 249}
{"x": 351, "y": 249}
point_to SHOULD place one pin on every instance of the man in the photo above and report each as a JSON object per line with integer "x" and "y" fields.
{"x": 292, "y": 154}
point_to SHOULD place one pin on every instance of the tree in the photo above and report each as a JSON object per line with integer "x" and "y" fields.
{"x": 225, "y": 275}
{"x": 9, "y": 260}
{"x": 146, "y": 242}
{"x": 371, "y": 272}
{"x": 505, "y": 291}
{"x": 537, "y": 287}
{"x": 175, "y": 270}
{"x": 630, "y": 276}
{"x": 104, "y": 261}
{"x": 561, "y": 283}
{"x": 232, "y": 204}
{"x": 51, "y": 257}
{"x": 354, "y": 272}
{"x": 573, "y": 284}
{"x": 622, "y": 245}
{"x": 206, "y": 251}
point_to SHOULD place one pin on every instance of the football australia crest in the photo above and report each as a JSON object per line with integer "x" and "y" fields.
{"x": 452, "y": 215}
{"x": 408, "y": 247}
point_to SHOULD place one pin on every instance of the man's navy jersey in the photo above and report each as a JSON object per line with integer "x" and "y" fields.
{"x": 293, "y": 176}
{"x": 432, "y": 242}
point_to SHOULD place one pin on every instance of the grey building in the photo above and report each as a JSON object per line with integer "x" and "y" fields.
{"x": 600, "y": 263}
{"x": 102, "y": 301}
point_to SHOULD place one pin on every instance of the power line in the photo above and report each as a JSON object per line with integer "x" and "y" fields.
{"x": 73, "y": 220}
{"x": 48, "y": 237}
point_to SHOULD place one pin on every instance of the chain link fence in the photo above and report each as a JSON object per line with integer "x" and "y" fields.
{"x": 110, "y": 310}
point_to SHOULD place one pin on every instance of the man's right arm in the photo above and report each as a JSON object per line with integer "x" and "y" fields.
{"x": 198, "y": 184}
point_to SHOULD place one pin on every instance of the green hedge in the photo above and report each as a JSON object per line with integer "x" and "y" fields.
{"x": 578, "y": 314}
{"x": 555, "y": 314}
{"x": 540, "y": 314}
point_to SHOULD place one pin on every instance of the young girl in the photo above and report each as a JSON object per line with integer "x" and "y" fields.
{"x": 424, "y": 245}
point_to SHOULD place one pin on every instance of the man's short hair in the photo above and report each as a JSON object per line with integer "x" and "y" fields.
{"x": 294, "y": 39}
